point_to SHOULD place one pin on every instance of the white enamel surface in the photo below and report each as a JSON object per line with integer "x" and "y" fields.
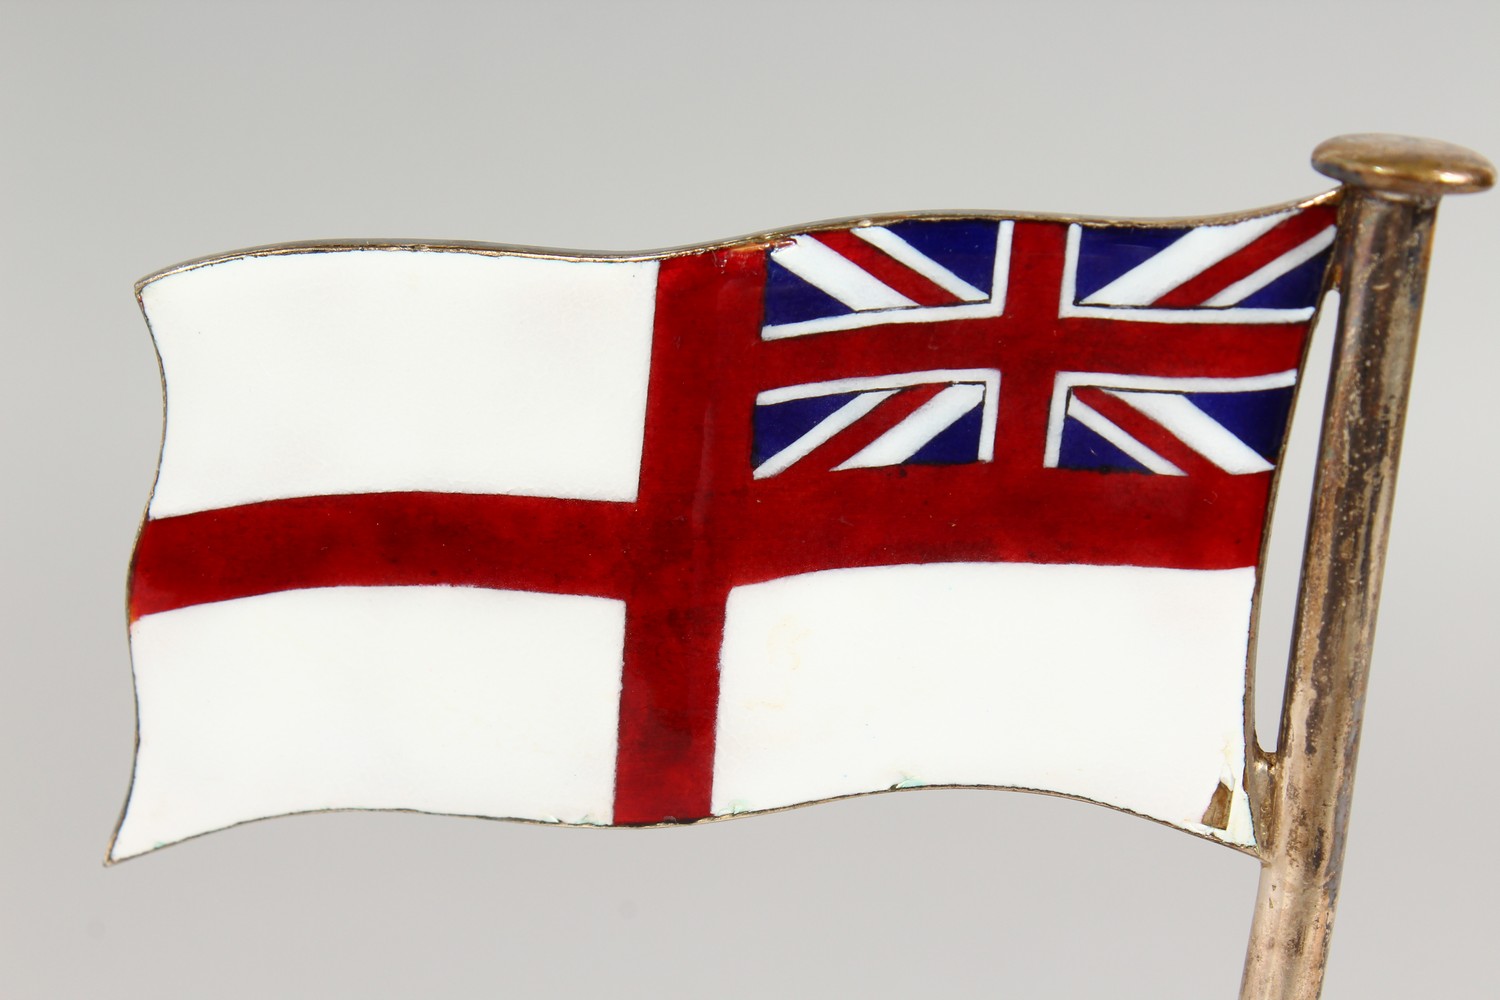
{"x": 450, "y": 700}
{"x": 1120, "y": 684}
{"x": 383, "y": 370}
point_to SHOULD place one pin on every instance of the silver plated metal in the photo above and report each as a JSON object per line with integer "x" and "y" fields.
{"x": 1390, "y": 201}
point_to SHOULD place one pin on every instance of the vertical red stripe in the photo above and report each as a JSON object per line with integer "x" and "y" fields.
{"x": 695, "y": 465}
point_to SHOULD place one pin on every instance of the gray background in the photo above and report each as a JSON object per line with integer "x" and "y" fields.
{"x": 134, "y": 135}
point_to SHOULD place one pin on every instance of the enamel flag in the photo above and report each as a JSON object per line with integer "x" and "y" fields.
{"x": 652, "y": 539}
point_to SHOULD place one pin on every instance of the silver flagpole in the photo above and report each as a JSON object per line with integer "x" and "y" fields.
{"x": 1392, "y": 186}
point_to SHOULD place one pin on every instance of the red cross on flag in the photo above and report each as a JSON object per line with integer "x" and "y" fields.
{"x": 928, "y": 500}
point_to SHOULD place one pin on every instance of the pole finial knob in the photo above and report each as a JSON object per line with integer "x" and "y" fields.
{"x": 1401, "y": 164}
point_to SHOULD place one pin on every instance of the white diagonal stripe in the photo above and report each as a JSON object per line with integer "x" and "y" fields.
{"x": 835, "y": 274}
{"x": 1252, "y": 283}
{"x": 1193, "y": 253}
{"x": 1197, "y": 430}
{"x": 904, "y": 252}
{"x": 821, "y": 432}
{"x": 921, "y": 426}
{"x": 1111, "y": 432}
{"x": 1066, "y": 382}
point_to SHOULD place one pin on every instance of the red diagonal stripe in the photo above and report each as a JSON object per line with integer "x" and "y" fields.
{"x": 1241, "y": 264}
{"x": 887, "y": 269}
{"x": 848, "y": 442}
{"x": 1147, "y": 431}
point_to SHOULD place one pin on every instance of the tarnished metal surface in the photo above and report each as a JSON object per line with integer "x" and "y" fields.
{"x": 1390, "y": 164}
{"x": 1386, "y": 228}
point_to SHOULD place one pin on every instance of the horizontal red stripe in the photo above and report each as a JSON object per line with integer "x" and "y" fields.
{"x": 971, "y": 513}
{"x": 381, "y": 539}
{"x": 1077, "y": 344}
{"x": 860, "y": 517}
